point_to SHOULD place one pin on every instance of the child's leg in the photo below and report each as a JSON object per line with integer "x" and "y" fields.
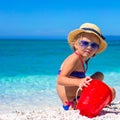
{"x": 113, "y": 93}
{"x": 98, "y": 75}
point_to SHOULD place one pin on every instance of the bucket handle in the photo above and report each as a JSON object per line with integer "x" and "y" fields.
{"x": 80, "y": 88}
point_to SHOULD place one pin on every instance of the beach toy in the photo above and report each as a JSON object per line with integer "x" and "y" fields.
{"x": 94, "y": 98}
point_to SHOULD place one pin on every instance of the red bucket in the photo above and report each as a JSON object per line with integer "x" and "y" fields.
{"x": 94, "y": 98}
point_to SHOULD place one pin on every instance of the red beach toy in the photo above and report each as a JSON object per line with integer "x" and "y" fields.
{"x": 94, "y": 98}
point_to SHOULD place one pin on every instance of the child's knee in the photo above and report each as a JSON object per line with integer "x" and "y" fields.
{"x": 98, "y": 75}
{"x": 113, "y": 93}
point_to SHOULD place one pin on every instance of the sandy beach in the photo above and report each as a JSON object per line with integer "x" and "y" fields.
{"x": 111, "y": 112}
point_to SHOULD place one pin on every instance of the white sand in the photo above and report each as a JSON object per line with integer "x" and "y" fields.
{"x": 109, "y": 113}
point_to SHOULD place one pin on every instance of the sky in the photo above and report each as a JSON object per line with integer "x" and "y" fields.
{"x": 56, "y": 18}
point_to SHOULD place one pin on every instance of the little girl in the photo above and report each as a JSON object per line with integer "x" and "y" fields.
{"x": 87, "y": 41}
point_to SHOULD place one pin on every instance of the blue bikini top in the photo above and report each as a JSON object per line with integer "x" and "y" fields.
{"x": 76, "y": 74}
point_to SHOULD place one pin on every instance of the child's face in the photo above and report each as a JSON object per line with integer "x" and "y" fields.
{"x": 87, "y": 45}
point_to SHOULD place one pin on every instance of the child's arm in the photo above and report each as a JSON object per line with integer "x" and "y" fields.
{"x": 69, "y": 81}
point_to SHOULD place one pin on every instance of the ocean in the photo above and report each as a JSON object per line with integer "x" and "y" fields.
{"x": 28, "y": 70}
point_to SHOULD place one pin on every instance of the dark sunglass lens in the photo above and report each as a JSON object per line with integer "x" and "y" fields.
{"x": 85, "y": 43}
{"x": 94, "y": 46}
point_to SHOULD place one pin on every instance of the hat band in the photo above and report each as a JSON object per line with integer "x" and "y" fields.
{"x": 90, "y": 29}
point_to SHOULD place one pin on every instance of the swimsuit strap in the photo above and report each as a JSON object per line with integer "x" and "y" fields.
{"x": 80, "y": 60}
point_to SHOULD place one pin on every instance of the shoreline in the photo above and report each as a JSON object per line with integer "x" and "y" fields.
{"x": 111, "y": 112}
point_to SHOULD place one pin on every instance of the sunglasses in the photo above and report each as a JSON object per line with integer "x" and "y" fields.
{"x": 85, "y": 44}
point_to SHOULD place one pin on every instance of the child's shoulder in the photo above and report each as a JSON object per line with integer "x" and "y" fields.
{"x": 72, "y": 58}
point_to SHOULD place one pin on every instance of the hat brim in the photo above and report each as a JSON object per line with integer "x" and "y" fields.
{"x": 102, "y": 45}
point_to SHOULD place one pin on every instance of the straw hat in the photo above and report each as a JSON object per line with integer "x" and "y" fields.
{"x": 88, "y": 28}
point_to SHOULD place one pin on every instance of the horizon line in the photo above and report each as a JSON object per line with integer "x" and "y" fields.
{"x": 43, "y": 37}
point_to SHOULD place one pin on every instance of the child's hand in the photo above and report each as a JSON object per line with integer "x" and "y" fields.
{"x": 85, "y": 82}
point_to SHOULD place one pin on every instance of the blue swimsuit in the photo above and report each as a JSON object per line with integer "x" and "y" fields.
{"x": 75, "y": 74}
{"x": 78, "y": 74}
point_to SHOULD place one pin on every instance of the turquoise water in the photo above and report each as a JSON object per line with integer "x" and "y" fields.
{"x": 28, "y": 69}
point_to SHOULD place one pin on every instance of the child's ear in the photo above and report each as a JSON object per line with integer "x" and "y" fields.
{"x": 75, "y": 44}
